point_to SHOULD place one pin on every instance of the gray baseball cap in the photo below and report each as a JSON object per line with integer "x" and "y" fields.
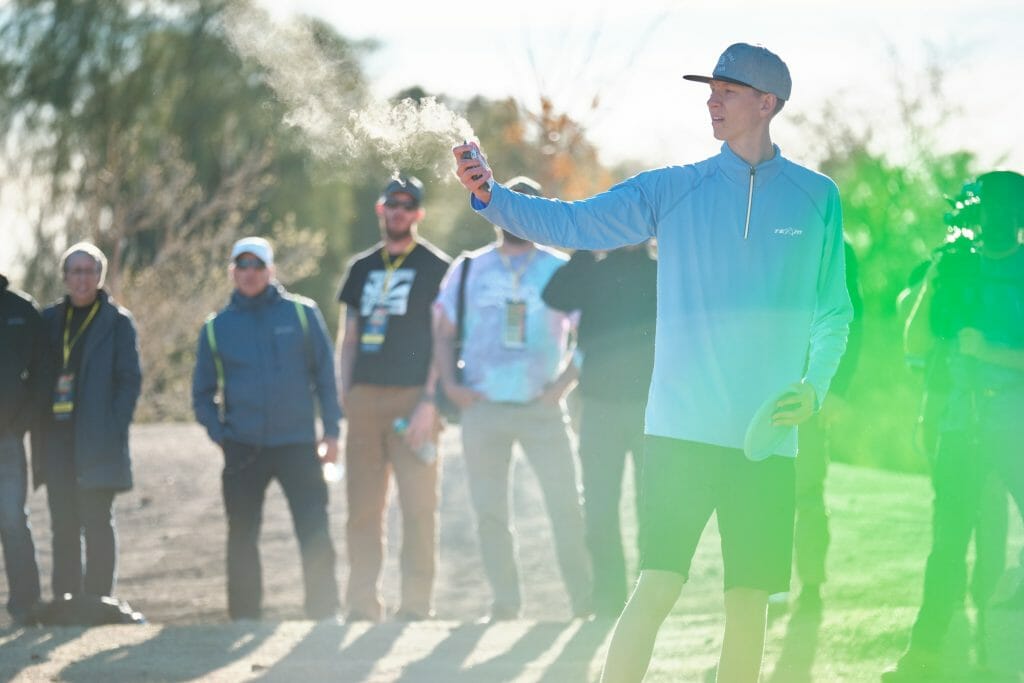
{"x": 752, "y": 65}
{"x": 524, "y": 185}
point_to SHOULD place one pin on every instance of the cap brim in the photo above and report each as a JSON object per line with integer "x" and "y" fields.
{"x": 708, "y": 79}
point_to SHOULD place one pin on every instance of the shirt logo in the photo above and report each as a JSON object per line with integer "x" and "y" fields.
{"x": 397, "y": 296}
{"x": 15, "y": 321}
{"x": 788, "y": 232}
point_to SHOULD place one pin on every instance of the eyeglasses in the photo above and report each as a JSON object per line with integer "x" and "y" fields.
{"x": 398, "y": 204}
{"x": 250, "y": 262}
{"x": 82, "y": 272}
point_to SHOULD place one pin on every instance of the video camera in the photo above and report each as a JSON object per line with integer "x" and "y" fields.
{"x": 959, "y": 265}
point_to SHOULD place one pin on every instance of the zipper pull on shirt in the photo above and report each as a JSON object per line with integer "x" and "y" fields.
{"x": 750, "y": 202}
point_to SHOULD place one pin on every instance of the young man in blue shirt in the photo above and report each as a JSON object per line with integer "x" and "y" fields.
{"x": 752, "y": 308}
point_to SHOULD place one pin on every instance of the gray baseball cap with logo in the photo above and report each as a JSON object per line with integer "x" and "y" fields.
{"x": 752, "y": 65}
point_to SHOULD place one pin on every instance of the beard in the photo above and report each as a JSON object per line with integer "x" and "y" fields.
{"x": 395, "y": 233}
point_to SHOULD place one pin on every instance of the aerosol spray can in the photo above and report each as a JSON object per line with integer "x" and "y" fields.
{"x": 475, "y": 154}
{"x": 427, "y": 453}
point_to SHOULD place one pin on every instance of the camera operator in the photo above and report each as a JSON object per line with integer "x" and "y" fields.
{"x": 971, "y": 305}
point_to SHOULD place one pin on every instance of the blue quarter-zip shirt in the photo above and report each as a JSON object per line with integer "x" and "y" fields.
{"x": 751, "y": 282}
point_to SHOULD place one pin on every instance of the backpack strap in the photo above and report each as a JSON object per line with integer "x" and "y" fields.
{"x": 300, "y": 311}
{"x": 460, "y": 310}
{"x": 218, "y": 364}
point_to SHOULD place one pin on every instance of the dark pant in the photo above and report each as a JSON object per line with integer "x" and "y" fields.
{"x": 609, "y": 432}
{"x": 76, "y": 512}
{"x": 15, "y": 533}
{"x": 962, "y": 468}
{"x": 811, "y": 535}
{"x": 247, "y": 473}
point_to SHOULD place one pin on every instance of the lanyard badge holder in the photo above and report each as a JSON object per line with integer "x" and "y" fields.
{"x": 64, "y": 391}
{"x": 376, "y": 328}
{"x": 513, "y": 334}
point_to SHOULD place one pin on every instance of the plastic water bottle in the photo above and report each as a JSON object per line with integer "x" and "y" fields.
{"x": 333, "y": 472}
{"x": 427, "y": 453}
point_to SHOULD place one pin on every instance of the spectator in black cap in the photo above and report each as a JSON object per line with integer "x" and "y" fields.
{"x": 615, "y": 296}
{"x": 970, "y": 304}
{"x": 388, "y": 381}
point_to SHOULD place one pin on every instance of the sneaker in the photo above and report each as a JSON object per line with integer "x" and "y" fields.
{"x": 778, "y": 604}
{"x": 915, "y": 666}
{"x": 499, "y": 614}
{"x": 1014, "y": 602}
{"x": 409, "y": 615}
{"x": 356, "y": 616}
{"x": 28, "y": 617}
{"x": 809, "y": 601}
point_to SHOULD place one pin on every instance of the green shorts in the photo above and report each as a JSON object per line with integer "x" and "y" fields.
{"x": 683, "y": 482}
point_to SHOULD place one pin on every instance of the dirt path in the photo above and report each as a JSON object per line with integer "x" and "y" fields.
{"x": 172, "y": 532}
{"x": 172, "y": 536}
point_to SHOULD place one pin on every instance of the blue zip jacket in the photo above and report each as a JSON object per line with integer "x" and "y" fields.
{"x": 751, "y": 283}
{"x": 271, "y": 372}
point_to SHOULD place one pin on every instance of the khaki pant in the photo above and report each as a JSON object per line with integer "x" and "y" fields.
{"x": 372, "y": 452}
{"x": 488, "y": 432}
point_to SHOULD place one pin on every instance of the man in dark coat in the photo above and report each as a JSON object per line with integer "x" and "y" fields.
{"x": 20, "y": 382}
{"x": 95, "y": 379}
{"x": 616, "y": 298}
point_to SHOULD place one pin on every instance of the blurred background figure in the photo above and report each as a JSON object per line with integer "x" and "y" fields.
{"x": 22, "y": 391}
{"x": 95, "y": 379}
{"x": 615, "y": 295}
{"x": 387, "y": 379}
{"x": 267, "y": 359}
{"x": 517, "y": 372}
{"x": 991, "y": 524}
{"x": 971, "y": 303}
{"x": 811, "y": 536}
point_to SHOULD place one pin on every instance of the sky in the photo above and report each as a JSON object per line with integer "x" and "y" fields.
{"x": 630, "y": 56}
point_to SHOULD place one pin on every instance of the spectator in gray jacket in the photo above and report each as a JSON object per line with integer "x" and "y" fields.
{"x": 268, "y": 356}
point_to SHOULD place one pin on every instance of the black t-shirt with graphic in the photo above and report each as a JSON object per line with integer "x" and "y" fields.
{"x": 403, "y": 357}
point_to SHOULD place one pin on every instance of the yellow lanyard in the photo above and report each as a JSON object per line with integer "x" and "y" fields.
{"x": 390, "y": 267}
{"x": 516, "y": 274}
{"x": 68, "y": 345}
